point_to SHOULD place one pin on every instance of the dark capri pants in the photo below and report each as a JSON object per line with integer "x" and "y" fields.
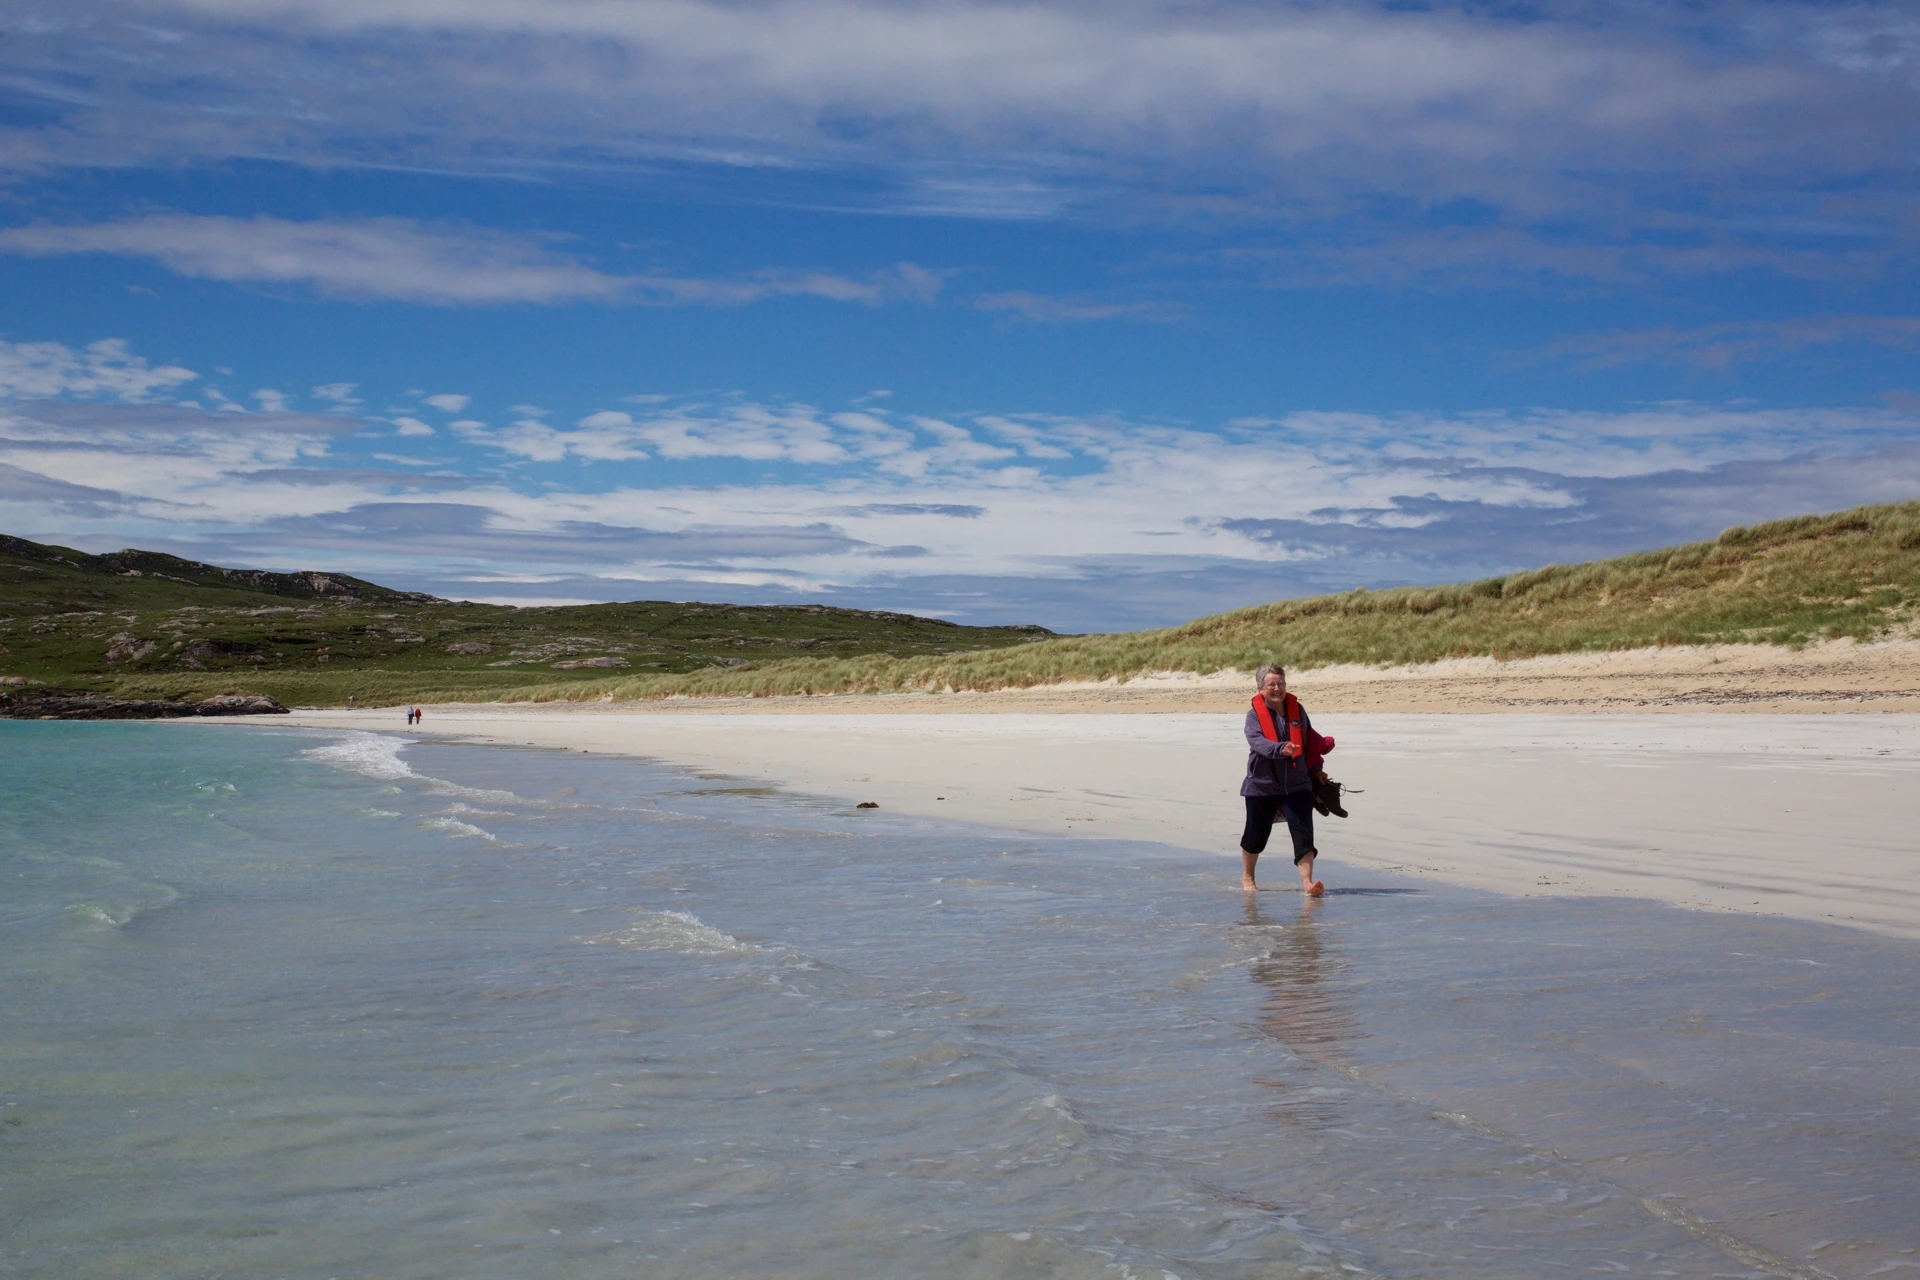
{"x": 1264, "y": 811}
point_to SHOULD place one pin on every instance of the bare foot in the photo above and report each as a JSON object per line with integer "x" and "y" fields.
{"x": 1308, "y": 885}
{"x": 1247, "y": 884}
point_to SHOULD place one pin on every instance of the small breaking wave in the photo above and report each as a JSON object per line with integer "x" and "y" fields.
{"x": 680, "y": 931}
{"x": 455, "y": 827}
{"x": 373, "y": 754}
{"x": 120, "y": 911}
{"x": 441, "y": 787}
{"x": 461, "y": 807}
{"x": 377, "y": 755}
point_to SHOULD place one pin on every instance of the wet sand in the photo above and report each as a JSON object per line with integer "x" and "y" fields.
{"x": 1804, "y": 816}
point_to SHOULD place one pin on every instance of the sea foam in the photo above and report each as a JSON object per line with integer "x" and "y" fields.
{"x": 377, "y": 755}
{"x": 680, "y": 931}
{"x": 455, "y": 827}
{"x": 372, "y": 754}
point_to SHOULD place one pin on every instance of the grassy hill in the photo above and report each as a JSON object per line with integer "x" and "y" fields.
{"x": 142, "y": 624}
{"x": 1854, "y": 573}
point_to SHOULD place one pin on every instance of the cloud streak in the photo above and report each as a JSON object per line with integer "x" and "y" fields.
{"x": 1570, "y": 126}
{"x": 400, "y": 260}
{"x": 1720, "y": 347}
{"x": 1044, "y": 309}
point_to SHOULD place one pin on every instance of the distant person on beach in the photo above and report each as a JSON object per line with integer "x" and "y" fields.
{"x": 1282, "y": 753}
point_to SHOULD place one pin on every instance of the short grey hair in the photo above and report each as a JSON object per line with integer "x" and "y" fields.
{"x": 1268, "y": 669}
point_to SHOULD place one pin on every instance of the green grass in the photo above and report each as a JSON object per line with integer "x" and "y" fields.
{"x": 1854, "y": 573}
{"x": 141, "y": 624}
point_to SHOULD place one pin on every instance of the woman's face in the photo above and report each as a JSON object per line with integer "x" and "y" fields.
{"x": 1274, "y": 689}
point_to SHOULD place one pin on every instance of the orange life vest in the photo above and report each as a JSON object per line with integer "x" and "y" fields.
{"x": 1267, "y": 729}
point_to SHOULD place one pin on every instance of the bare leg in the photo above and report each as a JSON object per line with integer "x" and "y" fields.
{"x": 1247, "y": 861}
{"x": 1308, "y": 885}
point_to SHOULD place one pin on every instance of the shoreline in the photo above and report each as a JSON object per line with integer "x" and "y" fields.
{"x": 1804, "y": 816}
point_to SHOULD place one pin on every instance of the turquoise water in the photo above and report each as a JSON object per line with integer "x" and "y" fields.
{"x": 329, "y": 1005}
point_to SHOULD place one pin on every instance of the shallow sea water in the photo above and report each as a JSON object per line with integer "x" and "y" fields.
{"x": 329, "y": 1005}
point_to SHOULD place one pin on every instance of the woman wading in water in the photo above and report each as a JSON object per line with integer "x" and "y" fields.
{"x": 1283, "y": 751}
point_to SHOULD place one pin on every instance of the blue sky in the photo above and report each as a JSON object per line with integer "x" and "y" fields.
{"x": 1092, "y": 315}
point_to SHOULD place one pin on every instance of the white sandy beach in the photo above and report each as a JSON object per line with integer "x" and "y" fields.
{"x": 1809, "y": 816}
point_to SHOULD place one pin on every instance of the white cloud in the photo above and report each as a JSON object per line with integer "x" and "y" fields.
{"x": 1296, "y": 79}
{"x": 877, "y": 499}
{"x": 270, "y": 401}
{"x": 162, "y": 467}
{"x": 447, "y": 403}
{"x": 383, "y": 258}
{"x": 340, "y": 393}
{"x": 1618, "y": 116}
{"x": 1050, "y": 496}
{"x": 104, "y": 369}
{"x": 397, "y": 259}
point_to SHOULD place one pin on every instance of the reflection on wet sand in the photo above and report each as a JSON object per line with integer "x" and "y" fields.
{"x": 1305, "y": 972}
{"x": 1302, "y": 973}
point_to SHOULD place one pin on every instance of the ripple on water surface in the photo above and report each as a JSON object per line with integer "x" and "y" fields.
{"x": 659, "y": 1030}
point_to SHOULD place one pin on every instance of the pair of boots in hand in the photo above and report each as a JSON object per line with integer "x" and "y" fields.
{"x": 1326, "y": 796}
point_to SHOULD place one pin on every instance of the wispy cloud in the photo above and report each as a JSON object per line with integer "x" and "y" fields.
{"x": 1789, "y": 130}
{"x": 1045, "y": 309}
{"x": 1722, "y": 346}
{"x": 1287, "y": 80}
{"x": 340, "y": 393}
{"x": 397, "y": 259}
{"x": 153, "y": 467}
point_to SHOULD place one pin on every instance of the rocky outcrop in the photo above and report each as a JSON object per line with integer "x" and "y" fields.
{"x": 204, "y": 650}
{"x": 238, "y": 704}
{"x": 127, "y": 648}
{"x": 65, "y": 704}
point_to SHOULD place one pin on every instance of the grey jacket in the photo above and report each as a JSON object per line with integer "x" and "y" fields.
{"x": 1268, "y": 773}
